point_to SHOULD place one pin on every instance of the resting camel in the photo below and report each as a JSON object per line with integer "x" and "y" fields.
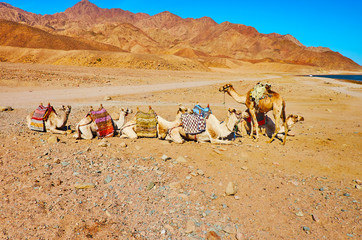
{"x": 163, "y": 126}
{"x": 87, "y": 128}
{"x": 269, "y": 127}
{"x": 270, "y": 101}
{"x": 55, "y": 121}
{"x": 214, "y": 130}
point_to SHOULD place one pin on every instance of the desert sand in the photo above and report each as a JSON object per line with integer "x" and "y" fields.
{"x": 153, "y": 189}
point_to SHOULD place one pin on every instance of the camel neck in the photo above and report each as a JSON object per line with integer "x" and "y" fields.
{"x": 237, "y": 97}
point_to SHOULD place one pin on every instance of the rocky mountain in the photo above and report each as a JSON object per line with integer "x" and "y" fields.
{"x": 166, "y": 33}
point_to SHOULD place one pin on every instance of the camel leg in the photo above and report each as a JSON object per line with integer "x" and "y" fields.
{"x": 175, "y": 136}
{"x": 254, "y": 125}
{"x": 54, "y": 130}
{"x": 128, "y": 133}
{"x": 85, "y": 132}
{"x": 277, "y": 125}
{"x": 219, "y": 141}
{"x": 286, "y": 132}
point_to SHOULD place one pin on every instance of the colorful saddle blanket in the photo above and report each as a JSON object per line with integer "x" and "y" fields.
{"x": 104, "y": 123}
{"x": 205, "y": 112}
{"x": 39, "y": 117}
{"x": 193, "y": 123}
{"x": 146, "y": 124}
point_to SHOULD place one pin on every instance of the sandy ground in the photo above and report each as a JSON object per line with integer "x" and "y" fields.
{"x": 308, "y": 189}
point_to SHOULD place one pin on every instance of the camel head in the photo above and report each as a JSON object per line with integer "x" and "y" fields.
{"x": 66, "y": 109}
{"x": 225, "y": 88}
{"x": 126, "y": 111}
{"x": 182, "y": 109}
{"x": 293, "y": 119}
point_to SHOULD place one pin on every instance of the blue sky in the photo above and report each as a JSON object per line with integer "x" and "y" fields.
{"x": 335, "y": 24}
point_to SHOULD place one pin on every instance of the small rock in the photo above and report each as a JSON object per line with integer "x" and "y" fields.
{"x": 306, "y": 229}
{"x": 200, "y": 172}
{"x": 239, "y": 236}
{"x": 190, "y": 226}
{"x": 84, "y": 185}
{"x": 315, "y": 218}
{"x": 358, "y": 186}
{"x": 103, "y": 143}
{"x": 346, "y": 194}
{"x": 165, "y": 158}
{"x": 56, "y": 160}
{"x": 6, "y": 108}
{"x": 230, "y": 189}
{"x": 181, "y": 159}
{"x": 212, "y": 236}
{"x": 123, "y": 144}
{"x": 359, "y": 182}
{"x": 299, "y": 214}
{"x": 53, "y": 139}
{"x": 137, "y": 147}
{"x": 217, "y": 151}
{"x": 229, "y": 229}
{"x": 175, "y": 185}
{"x": 64, "y": 164}
{"x": 150, "y": 186}
{"x": 244, "y": 168}
{"x": 108, "y": 179}
{"x": 107, "y": 98}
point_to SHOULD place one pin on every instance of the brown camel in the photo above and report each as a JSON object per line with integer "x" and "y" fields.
{"x": 270, "y": 101}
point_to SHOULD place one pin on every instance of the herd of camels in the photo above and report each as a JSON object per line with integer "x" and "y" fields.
{"x": 215, "y": 131}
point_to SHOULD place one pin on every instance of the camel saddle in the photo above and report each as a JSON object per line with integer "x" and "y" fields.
{"x": 259, "y": 91}
{"x": 103, "y": 121}
{"x": 39, "y": 117}
{"x": 146, "y": 124}
{"x": 205, "y": 112}
{"x": 193, "y": 123}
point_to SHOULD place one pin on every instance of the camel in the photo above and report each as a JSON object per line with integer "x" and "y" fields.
{"x": 270, "y": 101}
{"x": 87, "y": 128}
{"x": 268, "y": 128}
{"x": 214, "y": 131}
{"x": 163, "y": 126}
{"x": 55, "y": 122}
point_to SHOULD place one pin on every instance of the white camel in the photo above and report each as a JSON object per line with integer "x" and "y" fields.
{"x": 215, "y": 130}
{"x": 87, "y": 128}
{"x": 55, "y": 121}
{"x": 129, "y": 129}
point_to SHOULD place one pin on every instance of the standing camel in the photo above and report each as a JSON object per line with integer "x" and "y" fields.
{"x": 270, "y": 101}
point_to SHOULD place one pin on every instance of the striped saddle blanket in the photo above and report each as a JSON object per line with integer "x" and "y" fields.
{"x": 146, "y": 124}
{"x": 104, "y": 123}
{"x": 193, "y": 123}
{"x": 39, "y": 117}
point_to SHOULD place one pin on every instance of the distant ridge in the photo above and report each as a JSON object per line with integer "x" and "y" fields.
{"x": 165, "y": 33}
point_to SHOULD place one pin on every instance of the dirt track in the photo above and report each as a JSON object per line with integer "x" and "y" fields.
{"x": 308, "y": 189}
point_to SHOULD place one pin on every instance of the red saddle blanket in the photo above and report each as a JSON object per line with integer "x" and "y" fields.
{"x": 39, "y": 117}
{"x": 104, "y": 123}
